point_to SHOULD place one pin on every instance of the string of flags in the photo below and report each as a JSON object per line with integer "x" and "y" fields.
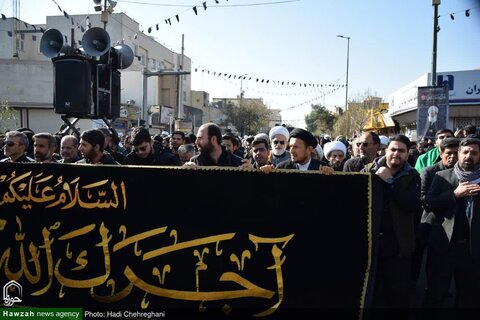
{"x": 29, "y": 26}
{"x": 168, "y": 21}
{"x": 311, "y": 101}
{"x": 467, "y": 13}
{"x": 263, "y": 80}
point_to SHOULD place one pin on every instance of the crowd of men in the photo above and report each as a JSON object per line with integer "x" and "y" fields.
{"x": 431, "y": 189}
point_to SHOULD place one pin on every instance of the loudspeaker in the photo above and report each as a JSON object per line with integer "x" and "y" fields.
{"x": 72, "y": 86}
{"x": 52, "y": 43}
{"x": 96, "y": 42}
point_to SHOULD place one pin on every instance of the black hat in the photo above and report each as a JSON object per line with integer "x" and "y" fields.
{"x": 304, "y": 135}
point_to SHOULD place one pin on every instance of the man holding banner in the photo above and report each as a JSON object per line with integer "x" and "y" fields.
{"x": 401, "y": 184}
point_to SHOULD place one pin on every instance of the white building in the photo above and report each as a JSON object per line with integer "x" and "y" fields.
{"x": 28, "y": 88}
{"x": 464, "y": 100}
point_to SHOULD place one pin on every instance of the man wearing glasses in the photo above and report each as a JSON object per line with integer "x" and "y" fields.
{"x": 367, "y": 144}
{"x": 433, "y": 156}
{"x": 279, "y": 136}
{"x": 16, "y": 144}
{"x": 144, "y": 152}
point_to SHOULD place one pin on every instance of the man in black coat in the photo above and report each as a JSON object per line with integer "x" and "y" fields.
{"x": 301, "y": 143}
{"x": 449, "y": 156}
{"x": 454, "y": 248}
{"x": 144, "y": 152}
{"x": 401, "y": 185}
{"x": 212, "y": 153}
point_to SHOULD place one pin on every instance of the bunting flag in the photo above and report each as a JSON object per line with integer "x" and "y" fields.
{"x": 266, "y": 81}
{"x": 195, "y": 10}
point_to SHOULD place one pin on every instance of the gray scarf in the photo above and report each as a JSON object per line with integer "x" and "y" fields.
{"x": 467, "y": 176}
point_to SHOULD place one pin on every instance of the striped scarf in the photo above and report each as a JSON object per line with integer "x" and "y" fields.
{"x": 467, "y": 176}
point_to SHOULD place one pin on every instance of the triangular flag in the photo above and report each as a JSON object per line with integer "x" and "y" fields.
{"x": 4, "y": 17}
{"x": 157, "y": 26}
{"x": 467, "y": 13}
{"x": 10, "y": 34}
{"x": 205, "y": 5}
{"x": 452, "y": 16}
{"x": 195, "y": 10}
{"x": 178, "y": 18}
{"x": 66, "y": 15}
{"x": 166, "y": 22}
{"x": 149, "y": 29}
{"x": 82, "y": 28}
{"x": 169, "y": 22}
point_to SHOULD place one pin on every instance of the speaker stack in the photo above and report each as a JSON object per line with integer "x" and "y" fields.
{"x": 87, "y": 81}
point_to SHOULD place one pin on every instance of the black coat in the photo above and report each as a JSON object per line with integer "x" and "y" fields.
{"x": 450, "y": 223}
{"x": 289, "y": 164}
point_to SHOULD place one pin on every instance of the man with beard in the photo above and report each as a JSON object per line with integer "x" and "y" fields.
{"x": 432, "y": 156}
{"x": 279, "y": 136}
{"x": 448, "y": 156}
{"x": 335, "y": 152}
{"x": 91, "y": 147}
{"x": 15, "y": 148}
{"x": 145, "y": 153}
{"x": 176, "y": 140}
{"x": 69, "y": 149}
{"x": 401, "y": 198}
{"x": 301, "y": 143}
{"x": 212, "y": 153}
{"x": 367, "y": 144}
{"x": 44, "y": 145}
{"x": 454, "y": 247}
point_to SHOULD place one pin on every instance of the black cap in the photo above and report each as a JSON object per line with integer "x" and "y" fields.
{"x": 304, "y": 135}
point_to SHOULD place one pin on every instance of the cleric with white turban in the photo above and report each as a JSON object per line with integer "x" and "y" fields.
{"x": 279, "y": 136}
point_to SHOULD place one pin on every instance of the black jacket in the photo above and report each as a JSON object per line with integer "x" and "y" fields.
{"x": 157, "y": 158}
{"x": 450, "y": 223}
{"x": 289, "y": 164}
{"x": 226, "y": 159}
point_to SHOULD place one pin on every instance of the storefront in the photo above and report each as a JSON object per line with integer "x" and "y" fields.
{"x": 464, "y": 100}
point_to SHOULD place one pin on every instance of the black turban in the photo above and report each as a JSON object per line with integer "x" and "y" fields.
{"x": 304, "y": 135}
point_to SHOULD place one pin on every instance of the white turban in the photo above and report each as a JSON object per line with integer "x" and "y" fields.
{"x": 334, "y": 146}
{"x": 319, "y": 151}
{"x": 384, "y": 140}
{"x": 279, "y": 130}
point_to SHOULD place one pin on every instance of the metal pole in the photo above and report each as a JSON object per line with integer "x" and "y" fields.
{"x": 145, "y": 98}
{"x": 241, "y": 88}
{"x": 348, "y": 58}
{"x": 180, "y": 86}
{"x": 433, "y": 81}
{"x": 346, "y": 87}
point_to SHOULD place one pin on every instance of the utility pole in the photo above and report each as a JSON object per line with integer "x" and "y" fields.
{"x": 146, "y": 74}
{"x": 348, "y": 58}
{"x": 180, "y": 86}
{"x": 433, "y": 81}
{"x": 241, "y": 88}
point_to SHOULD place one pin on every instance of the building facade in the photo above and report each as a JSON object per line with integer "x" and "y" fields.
{"x": 28, "y": 89}
{"x": 464, "y": 100}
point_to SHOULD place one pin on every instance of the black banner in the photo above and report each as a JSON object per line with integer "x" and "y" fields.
{"x": 217, "y": 242}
